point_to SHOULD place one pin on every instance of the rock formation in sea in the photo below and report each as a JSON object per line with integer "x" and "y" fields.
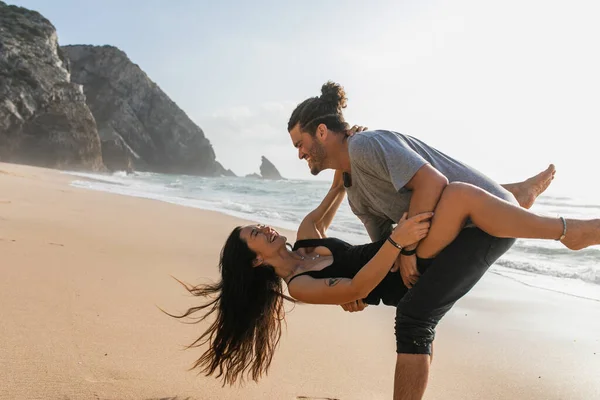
{"x": 267, "y": 171}
{"x": 227, "y": 172}
{"x": 137, "y": 122}
{"x": 44, "y": 118}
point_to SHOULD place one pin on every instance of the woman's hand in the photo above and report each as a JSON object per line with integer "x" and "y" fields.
{"x": 356, "y": 129}
{"x": 410, "y": 231}
{"x": 355, "y": 306}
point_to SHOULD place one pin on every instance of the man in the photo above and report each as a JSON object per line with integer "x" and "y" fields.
{"x": 387, "y": 174}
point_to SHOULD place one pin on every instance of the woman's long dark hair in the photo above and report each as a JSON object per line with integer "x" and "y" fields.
{"x": 248, "y": 306}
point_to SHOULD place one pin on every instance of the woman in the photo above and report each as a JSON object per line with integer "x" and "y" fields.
{"x": 255, "y": 261}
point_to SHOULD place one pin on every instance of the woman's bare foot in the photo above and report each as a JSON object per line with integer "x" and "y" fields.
{"x": 582, "y": 233}
{"x": 527, "y": 192}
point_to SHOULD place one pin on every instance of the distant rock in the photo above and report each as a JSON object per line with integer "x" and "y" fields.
{"x": 226, "y": 172}
{"x": 137, "y": 121}
{"x": 268, "y": 170}
{"x": 44, "y": 119}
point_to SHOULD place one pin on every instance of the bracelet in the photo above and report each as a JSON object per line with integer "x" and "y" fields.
{"x": 564, "y": 229}
{"x": 396, "y": 245}
{"x": 406, "y": 252}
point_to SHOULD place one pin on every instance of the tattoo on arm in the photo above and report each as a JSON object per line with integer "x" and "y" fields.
{"x": 332, "y": 281}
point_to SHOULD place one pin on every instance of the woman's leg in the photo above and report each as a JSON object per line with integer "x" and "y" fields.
{"x": 461, "y": 201}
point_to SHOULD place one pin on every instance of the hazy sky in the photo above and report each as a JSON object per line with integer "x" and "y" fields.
{"x": 507, "y": 87}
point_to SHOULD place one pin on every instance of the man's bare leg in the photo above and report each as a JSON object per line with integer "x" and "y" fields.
{"x": 410, "y": 378}
{"x": 526, "y": 192}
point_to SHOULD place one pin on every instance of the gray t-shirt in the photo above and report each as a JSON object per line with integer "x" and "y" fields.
{"x": 383, "y": 162}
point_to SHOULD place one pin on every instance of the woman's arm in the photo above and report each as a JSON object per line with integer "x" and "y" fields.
{"x": 329, "y": 214}
{"x": 340, "y": 291}
{"x": 315, "y": 224}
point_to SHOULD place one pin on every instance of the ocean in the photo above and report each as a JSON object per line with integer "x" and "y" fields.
{"x": 540, "y": 263}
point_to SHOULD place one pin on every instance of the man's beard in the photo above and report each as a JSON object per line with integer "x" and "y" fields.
{"x": 317, "y": 158}
{"x": 315, "y": 170}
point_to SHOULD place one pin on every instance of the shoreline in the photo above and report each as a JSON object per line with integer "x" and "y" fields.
{"x": 83, "y": 272}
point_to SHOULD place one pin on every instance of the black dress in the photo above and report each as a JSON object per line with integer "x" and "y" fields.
{"x": 348, "y": 260}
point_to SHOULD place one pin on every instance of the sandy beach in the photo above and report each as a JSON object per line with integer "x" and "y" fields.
{"x": 83, "y": 274}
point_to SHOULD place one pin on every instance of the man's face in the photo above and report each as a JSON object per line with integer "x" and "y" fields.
{"x": 310, "y": 149}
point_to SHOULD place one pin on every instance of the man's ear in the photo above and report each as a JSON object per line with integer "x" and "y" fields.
{"x": 257, "y": 261}
{"x": 322, "y": 131}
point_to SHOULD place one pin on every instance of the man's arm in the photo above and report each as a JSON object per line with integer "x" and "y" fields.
{"x": 427, "y": 186}
{"x": 391, "y": 157}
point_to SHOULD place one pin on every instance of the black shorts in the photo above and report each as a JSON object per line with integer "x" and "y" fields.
{"x": 444, "y": 279}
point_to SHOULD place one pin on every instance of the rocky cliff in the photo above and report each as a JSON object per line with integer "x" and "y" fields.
{"x": 44, "y": 119}
{"x": 137, "y": 122}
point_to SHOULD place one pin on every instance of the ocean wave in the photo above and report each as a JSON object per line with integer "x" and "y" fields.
{"x": 566, "y": 204}
{"x": 178, "y": 184}
{"x": 269, "y": 214}
{"x": 588, "y": 273}
{"x": 120, "y": 173}
{"x": 231, "y": 205}
{"x": 106, "y": 178}
{"x": 585, "y": 255}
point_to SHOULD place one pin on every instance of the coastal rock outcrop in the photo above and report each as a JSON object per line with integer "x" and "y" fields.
{"x": 136, "y": 119}
{"x": 268, "y": 170}
{"x": 254, "y": 175}
{"x": 225, "y": 172}
{"x": 44, "y": 118}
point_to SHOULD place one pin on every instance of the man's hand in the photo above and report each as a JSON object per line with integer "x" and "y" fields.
{"x": 355, "y": 306}
{"x": 356, "y": 128}
{"x": 408, "y": 269}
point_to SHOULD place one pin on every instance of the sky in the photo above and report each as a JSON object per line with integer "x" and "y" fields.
{"x": 507, "y": 87}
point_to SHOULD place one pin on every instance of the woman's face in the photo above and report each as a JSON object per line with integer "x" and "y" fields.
{"x": 263, "y": 240}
